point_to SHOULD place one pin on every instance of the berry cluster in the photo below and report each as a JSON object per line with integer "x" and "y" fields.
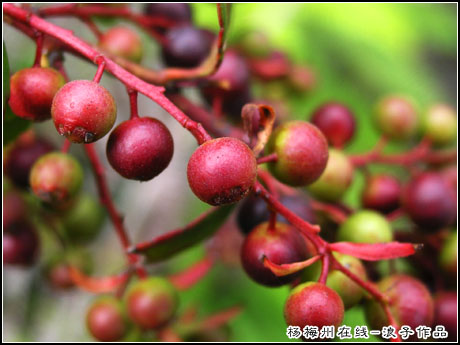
{"x": 289, "y": 177}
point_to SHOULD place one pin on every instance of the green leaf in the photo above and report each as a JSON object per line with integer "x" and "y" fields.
{"x": 12, "y": 125}
{"x": 174, "y": 242}
{"x": 6, "y": 75}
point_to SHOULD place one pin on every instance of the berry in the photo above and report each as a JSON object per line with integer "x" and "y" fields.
{"x": 14, "y": 209}
{"x": 56, "y": 178}
{"x": 410, "y": 303}
{"x": 222, "y": 171}
{"x": 22, "y": 156}
{"x": 336, "y": 122}
{"x": 350, "y": 292}
{"x": 302, "y": 153}
{"x": 20, "y": 244}
{"x": 59, "y": 277}
{"x": 429, "y": 201}
{"x": 123, "y": 42}
{"x": 140, "y": 148}
{"x": 302, "y": 79}
{"x": 440, "y": 124}
{"x": 151, "y": 302}
{"x": 105, "y": 319}
{"x": 365, "y": 227}
{"x": 32, "y": 91}
{"x": 187, "y": 46}
{"x": 178, "y": 12}
{"x": 335, "y": 179}
{"x": 448, "y": 255}
{"x": 281, "y": 245}
{"x": 313, "y": 304}
{"x": 445, "y": 312}
{"x": 396, "y": 117}
{"x": 83, "y": 111}
{"x": 381, "y": 193}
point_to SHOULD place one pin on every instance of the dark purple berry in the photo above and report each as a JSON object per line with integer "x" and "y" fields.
{"x": 382, "y": 193}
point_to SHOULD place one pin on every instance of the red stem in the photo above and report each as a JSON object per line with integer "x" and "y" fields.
{"x": 336, "y": 213}
{"x": 39, "y": 51}
{"x": 325, "y": 261}
{"x": 99, "y": 72}
{"x": 65, "y": 146}
{"x": 133, "y": 103}
{"x": 273, "y": 157}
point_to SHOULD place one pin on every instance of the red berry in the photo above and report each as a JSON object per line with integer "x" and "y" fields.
{"x": 20, "y": 244}
{"x": 14, "y": 209}
{"x": 176, "y": 11}
{"x": 429, "y": 201}
{"x": 445, "y": 313}
{"x": 123, "y": 42}
{"x": 382, "y": 193}
{"x": 32, "y": 91}
{"x": 151, "y": 302}
{"x": 83, "y": 111}
{"x": 397, "y": 117}
{"x": 336, "y": 122}
{"x": 281, "y": 245}
{"x": 140, "y": 148}
{"x": 105, "y": 319}
{"x": 302, "y": 153}
{"x": 222, "y": 171}
{"x": 59, "y": 276}
{"x": 313, "y": 304}
{"x": 410, "y": 303}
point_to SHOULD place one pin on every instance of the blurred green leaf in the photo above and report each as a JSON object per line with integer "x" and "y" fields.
{"x": 12, "y": 126}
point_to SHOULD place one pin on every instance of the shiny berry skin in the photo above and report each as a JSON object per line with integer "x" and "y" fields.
{"x": 105, "y": 319}
{"x": 440, "y": 124}
{"x": 410, "y": 303}
{"x": 382, "y": 193}
{"x": 56, "y": 178}
{"x": 336, "y": 122}
{"x": 20, "y": 244}
{"x": 448, "y": 255}
{"x": 396, "y": 117}
{"x": 140, "y": 148}
{"x": 313, "y": 304}
{"x": 22, "y": 156}
{"x": 151, "y": 302}
{"x": 302, "y": 153}
{"x": 281, "y": 245}
{"x": 179, "y": 12}
{"x": 83, "y": 111}
{"x": 187, "y": 46}
{"x": 32, "y": 91}
{"x": 335, "y": 179}
{"x": 222, "y": 171}
{"x": 123, "y": 42}
{"x": 429, "y": 201}
{"x": 365, "y": 226}
{"x": 445, "y": 312}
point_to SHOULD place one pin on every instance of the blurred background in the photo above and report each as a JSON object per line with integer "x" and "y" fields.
{"x": 358, "y": 53}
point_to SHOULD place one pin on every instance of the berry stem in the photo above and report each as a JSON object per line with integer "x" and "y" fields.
{"x": 336, "y": 214}
{"x": 133, "y": 103}
{"x": 39, "y": 50}
{"x": 273, "y": 157}
{"x": 325, "y": 262}
{"x": 65, "y": 146}
{"x": 99, "y": 72}
{"x": 93, "y": 27}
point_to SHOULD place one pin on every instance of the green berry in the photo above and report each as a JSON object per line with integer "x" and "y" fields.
{"x": 440, "y": 124}
{"x": 365, "y": 227}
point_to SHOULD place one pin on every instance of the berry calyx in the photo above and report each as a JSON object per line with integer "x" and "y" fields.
{"x": 179, "y": 12}
{"x": 445, "y": 312}
{"x": 56, "y": 178}
{"x": 20, "y": 244}
{"x": 313, "y": 304}
{"x": 302, "y": 153}
{"x": 336, "y": 122}
{"x": 222, "y": 171}
{"x": 382, "y": 193}
{"x": 83, "y": 111}
{"x": 32, "y": 91}
{"x": 396, "y": 117}
{"x": 140, "y": 148}
{"x": 123, "y": 42}
{"x": 335, "y": 179}
{"x": 105, "y": 319}
{"x": 281, "y": 245}
{"x": 151, "y": 302}
{"x": 365, "y": 227}
{"x": 440, "y": 124}
{"x": 409, "y": 300}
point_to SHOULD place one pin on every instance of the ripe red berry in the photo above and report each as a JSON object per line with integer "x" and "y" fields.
{"x": 56, "y": 178}
{"x": 105, "y": 319}
{"x": 20, "y": 159}
{"x": 445, "y": 312}
{"x": 179, "y": 12}
{"x": 32, "y": 91}
{"x": 187, "y": 46}
{"x": 151, "y": 302}
{"x": 123, "y": 42}
{"x": 302, "y": 153}
{"x": 313, "y": 304}
{"x": 222, "y": 171}
{"x": 59, "y": 276}
{"x": 140, "y": 148}
{"x": 365, "y": 226}
{"x": 83, "y": 111}
{"x": 382, "y": 193}
{"x": 410, "y": 303}
{"x": 336, "y": 122}
{"x": 281, "y": 245}
{"x": 396, "y": 117}
{"x": 20, "y": 244}
{"x": 429, "y": 201}
{"x": 14, "y": 209}
{"x": 440, "y": 124}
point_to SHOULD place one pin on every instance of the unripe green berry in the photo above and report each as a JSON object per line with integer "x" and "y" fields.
{"x": 448, "y": 254}
{"x": 365, "y": 227}
{"x": 440, "y": 124}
